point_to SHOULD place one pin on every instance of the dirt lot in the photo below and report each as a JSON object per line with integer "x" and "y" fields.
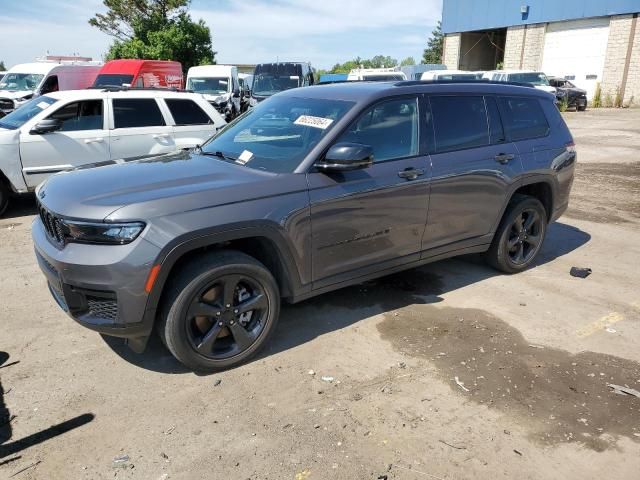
{"x": 532, "y": 354}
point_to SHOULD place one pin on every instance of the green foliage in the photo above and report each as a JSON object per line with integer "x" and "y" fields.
{"x": 2, "y": 67}
{"x": 608, "y": 100}
{"x": 435, "y": 46}
{"x": 500, "y": 66}
{"x": 379, "y": 61}
{"x": 597, "y": 97}
{"x": 408, "y": 61}
{"x": 617, "y": 102}
{"x": 563, "y": 106}
{"x": 155, "y": 30}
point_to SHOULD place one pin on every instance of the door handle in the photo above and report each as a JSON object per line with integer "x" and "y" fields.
{"x": 94, "y": 140}
{"x": 411, "y": 173}
{"x": 504, "y": 158}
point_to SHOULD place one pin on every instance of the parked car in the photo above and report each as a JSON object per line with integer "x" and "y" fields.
{"x": 271, "y": 78}
{"x": 310, "y": 191}
{"x": 63, "y": 130}
{"x": 2, "y": 74}
{"x": 220, "y": 86}
{"x": 538, "y": 79}
{"x": 376, "y": 75}
{"x": 28, "y": 80}
{"x": 575, "y": 97}
{"x": 435, "y": 75}
{"x": 140, "y": 74}
{"x": 246, "y": 83}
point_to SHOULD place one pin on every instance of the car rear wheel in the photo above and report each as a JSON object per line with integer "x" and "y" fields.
{"x": 4, "y": 197}
{"x": 519, "y": 236}
{"x": 220, "y": 311}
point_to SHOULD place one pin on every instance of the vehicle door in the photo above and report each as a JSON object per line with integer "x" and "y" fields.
{"x": 192, "y": 126}
{"x": 370, "y": 219}
{"x": 81, "y": 139}
{"x": 473, "y": 167}
{"x": 139, "y": 128}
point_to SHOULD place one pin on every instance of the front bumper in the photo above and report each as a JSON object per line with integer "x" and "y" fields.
{"x": 101, "y": 287}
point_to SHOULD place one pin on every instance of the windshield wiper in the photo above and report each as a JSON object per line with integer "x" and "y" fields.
{"x": 217, "y": 153}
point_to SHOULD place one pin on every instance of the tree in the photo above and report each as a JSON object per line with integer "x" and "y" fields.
{"x": 155, "y": 30}
{"x": 435, "y": 44}
{"x": 408, "y": 61}
{"x": 379, "y": 61}
{"x": 2, "y": 67}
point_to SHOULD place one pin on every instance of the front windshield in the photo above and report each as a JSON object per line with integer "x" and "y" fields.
{"x": 21, "y": 81}
{"x": 209, "y": 85}
{"x": 383, "y": 78}
{"x": 535, "y": 78}
{"x": 26, "y": 112}
{"x": 265, "y": 85}
{"x": 112, "y": 80}
{"x": 276, "y": 135}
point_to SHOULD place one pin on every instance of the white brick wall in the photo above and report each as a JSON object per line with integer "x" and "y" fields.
{"x": 619, "y": 29}
{"x": 513, "y": 47}
{"x": 451, "y": 53}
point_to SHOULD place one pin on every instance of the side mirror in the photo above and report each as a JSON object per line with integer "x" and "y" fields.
{"x": 236, "y": 93}
{"x": 49, "y": 125}
{"x": 343, "y": 157}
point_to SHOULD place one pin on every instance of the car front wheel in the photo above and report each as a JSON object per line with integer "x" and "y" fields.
{"x": 220, "y": 311}
{"x": 520, "y": 235}
{"x": 4, "y": 197}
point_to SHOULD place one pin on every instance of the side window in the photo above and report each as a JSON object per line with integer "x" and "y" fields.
{"x": 390, "y": 128}
{"x": 459, "y": 122}
{"x": 50, "y": 85}
{"x": 76, "y": 116}
{"x": 496, "y": 130}
{"x": 187, "y": 112}
{"x": 139, "y": 112}
{"x": 524, "y": 118}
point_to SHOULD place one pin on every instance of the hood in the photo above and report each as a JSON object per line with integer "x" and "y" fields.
{"x": 217, "y": 98}
{"x": 143, "y": 189}
{"x": 15, "y": 94}
{"x": 546, "y": 88}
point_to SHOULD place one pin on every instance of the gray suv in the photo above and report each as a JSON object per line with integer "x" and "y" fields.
{"x": 312, "y": 190}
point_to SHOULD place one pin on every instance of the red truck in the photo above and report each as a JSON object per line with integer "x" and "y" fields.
{"x": 141, "y": 74}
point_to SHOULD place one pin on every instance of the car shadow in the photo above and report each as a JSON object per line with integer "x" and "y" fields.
{"x": 6, "y": 418}
{"x": 302, "y": 322}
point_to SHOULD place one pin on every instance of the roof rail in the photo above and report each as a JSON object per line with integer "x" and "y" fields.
{"x": 484, "y": 81}
{"x": 120, "y": 88}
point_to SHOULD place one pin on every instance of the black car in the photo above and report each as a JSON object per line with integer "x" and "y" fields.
{"x": 576, "y": 97}
{"x": 311, "y": 190}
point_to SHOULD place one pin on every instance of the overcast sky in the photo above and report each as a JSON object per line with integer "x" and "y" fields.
{"x": 323, "y": 32}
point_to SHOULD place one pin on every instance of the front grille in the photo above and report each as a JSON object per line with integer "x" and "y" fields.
{"x": 104, "y": 308}
{"x": 6, "y": 104}
{"x": 53, "y": 225}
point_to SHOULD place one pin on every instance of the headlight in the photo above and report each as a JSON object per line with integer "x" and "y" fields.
{"x": 561, "y": 93}
{"x": 102, "y": 233}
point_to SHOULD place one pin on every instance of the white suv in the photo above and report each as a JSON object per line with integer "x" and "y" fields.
{"x": 63, "y": 130}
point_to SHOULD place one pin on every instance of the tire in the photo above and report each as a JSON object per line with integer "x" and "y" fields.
{"x": 215, "y": 340}
{"x": 4, "y": 197}
{"x": 581, "y": 109}
{"x": 513, "y": 249}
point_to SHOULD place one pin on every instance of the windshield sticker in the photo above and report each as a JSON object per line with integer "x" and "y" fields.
{"x": 315, "y": 122}
{"x": 42, "y": 105}
{"x": 245, "y": 157}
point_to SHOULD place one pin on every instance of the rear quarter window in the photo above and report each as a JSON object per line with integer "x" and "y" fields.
{"x": 524, "y": 118}
{"x": 187, "y": 112}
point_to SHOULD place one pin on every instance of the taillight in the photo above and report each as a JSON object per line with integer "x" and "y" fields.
{"x": 571, "y": 147}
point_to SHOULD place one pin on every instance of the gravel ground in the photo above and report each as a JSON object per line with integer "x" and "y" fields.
{"x": 449, "y": 371}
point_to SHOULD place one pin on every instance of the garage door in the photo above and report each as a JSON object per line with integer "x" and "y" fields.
{"x": 576, "y": 50}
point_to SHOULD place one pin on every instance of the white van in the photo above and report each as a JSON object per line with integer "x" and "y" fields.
{"x": 435, "y": 75}
{"x": 219, "y": 85}
{"x": 376, "y": 75}
{"x": 538, "y": 79}
{"x": 28, "y": 80}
